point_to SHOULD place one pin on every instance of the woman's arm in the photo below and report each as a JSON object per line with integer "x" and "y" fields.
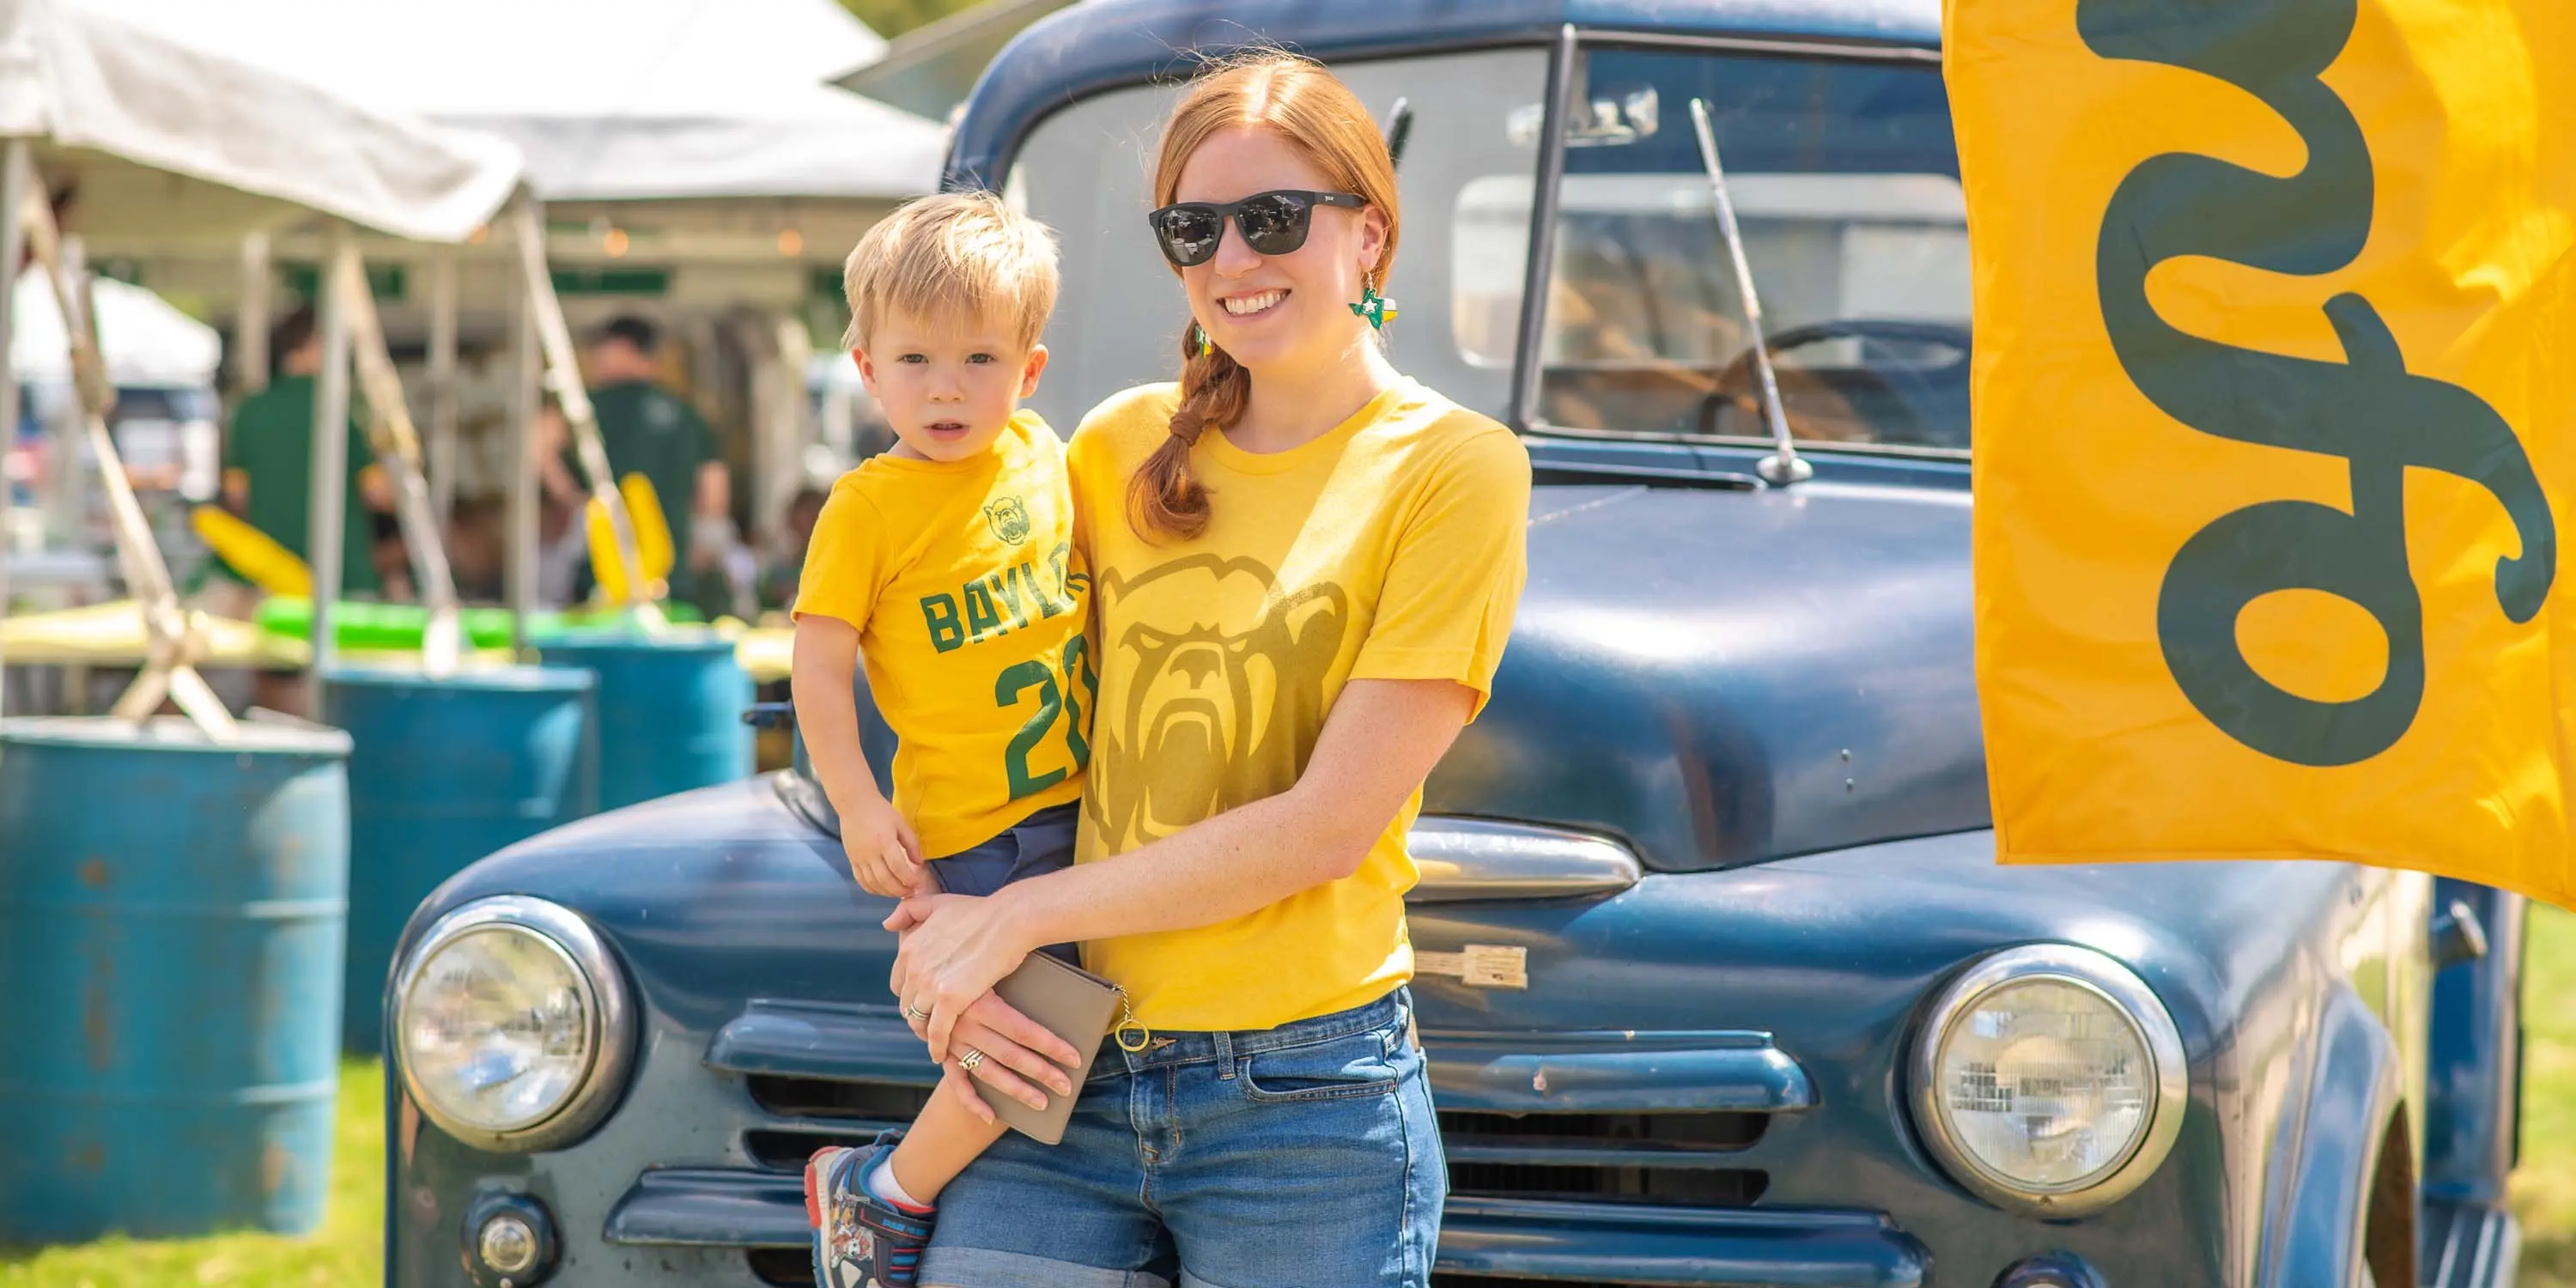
{"x": 1378, "y": 743}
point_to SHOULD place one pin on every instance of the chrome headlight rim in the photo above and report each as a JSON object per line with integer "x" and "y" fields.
{"x": 609, "y": 1019}
{"x": 2105, "y": 977}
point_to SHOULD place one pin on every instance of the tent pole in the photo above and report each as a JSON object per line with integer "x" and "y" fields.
{"x": 520, "y": 565}
{"x": 250, "y": 321}
{"x": 397, "y": 450}
{"x": 329, "y": 517}
{"x": 172, "y": 636}
{"x": 13, "y": 199}
{"x": 563, "y": 373}
{"x": 442, "y": 384}
{"x": 66, "y": 497}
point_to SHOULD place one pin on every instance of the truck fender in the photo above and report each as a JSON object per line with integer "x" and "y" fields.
{"x": 2473, "y": 1089}
{"x": 2316, "y": 1207}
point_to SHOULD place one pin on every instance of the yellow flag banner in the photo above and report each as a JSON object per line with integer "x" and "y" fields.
{"x": 2275, "y": 398}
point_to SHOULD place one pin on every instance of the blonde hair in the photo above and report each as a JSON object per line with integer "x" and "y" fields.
{"x": 957, "y": 253}
{"x": 1317, "y": 115}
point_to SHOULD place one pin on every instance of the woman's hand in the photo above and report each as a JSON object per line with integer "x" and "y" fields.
{"x": 959, "y": 1083}
{"x": 884, "y": 853}
{"x": 955, "y": 948}
{"x": 1020, "y": 1055}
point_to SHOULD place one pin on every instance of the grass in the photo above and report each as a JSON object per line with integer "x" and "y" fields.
{"x": 2544, "y": 1188}
{"x": 347, "y": 1251}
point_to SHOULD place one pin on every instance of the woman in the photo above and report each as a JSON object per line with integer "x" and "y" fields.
{"x": 1304, "y": 568}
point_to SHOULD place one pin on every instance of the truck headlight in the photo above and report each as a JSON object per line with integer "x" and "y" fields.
{"x": 511, "y": 1024}
{"x": 2049, "y": 1080}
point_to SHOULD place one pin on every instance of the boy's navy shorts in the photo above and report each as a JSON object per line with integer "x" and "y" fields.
{"x": 1034, "y": 846}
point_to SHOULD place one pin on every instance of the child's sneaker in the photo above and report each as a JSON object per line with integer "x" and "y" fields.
{"x": 860, "y": 1239}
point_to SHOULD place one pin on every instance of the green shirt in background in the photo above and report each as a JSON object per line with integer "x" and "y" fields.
{"x": 270, "y": 441}
{"x": 648, "y": 430}
{"x": 651, "y": 431}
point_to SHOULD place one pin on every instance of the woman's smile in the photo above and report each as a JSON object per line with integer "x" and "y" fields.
{"x": 1252, "y": 303}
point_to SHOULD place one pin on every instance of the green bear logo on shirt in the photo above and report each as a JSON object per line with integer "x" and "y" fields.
{"x": 1010, "y": 517}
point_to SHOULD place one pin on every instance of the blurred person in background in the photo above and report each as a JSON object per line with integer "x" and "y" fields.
{"x": 563, "y": 538}
{"x": 268, "y": 483}
{"x": 651, "y": 431}
{"x": 478, "y": 548}
{"x": 268, "y": 476}
{"x": 785, "y": 561}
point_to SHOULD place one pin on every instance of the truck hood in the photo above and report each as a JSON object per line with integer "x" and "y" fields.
{"x": 735, "y": 892}
{"x": 1721, "y": 677}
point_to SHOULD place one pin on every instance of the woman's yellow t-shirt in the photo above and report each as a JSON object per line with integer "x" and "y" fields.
{"x": 961, "y": 579}
{"x": 1393, "y": 547}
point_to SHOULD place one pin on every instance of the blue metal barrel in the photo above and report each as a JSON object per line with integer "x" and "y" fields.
{"x": 445, "y": 771}
{"x": 670, "y": 709}
{"x": 170, "y": 946}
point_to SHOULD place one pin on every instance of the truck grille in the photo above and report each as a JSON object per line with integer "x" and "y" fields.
{"x": 1489, "y": 1281}
{"x": 1716, "y": 1187}
{"x": 829, "y": 1112}
{"x": 1672, "y": 1159}
{"x": 830, "y": 1098}
{"x": 1660, "y": 1159}
{"x": 792, "y": 1267}
{"x": 1645, "y": 1133}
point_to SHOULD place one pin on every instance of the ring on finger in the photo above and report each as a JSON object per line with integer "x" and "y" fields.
{"x": 970, "y": 1059}
{"x": 912, "y": 1012}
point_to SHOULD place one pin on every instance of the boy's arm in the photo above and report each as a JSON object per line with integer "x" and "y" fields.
{"x": 884, "y": 854}
{"x": 827, "y": 713}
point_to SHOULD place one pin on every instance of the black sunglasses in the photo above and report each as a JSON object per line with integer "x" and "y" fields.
{"x": 1273, "y": 223}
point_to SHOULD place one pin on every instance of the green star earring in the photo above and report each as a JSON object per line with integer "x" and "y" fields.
{"x": 1376, "y": 308}
{"x": 1206, "y": 346}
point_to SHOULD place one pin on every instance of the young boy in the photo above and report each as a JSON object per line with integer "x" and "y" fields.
{"x": 945, "y": 566}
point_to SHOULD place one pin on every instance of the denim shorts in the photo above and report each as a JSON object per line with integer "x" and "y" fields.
{"x": 1303, "y": 1156}
{"x": 1034, "y": 846}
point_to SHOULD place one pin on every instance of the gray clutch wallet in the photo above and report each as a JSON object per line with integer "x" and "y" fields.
{"x": 1071, "y": 1003}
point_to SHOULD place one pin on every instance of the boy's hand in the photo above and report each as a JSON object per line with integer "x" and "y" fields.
{"x": 884, "y": 853}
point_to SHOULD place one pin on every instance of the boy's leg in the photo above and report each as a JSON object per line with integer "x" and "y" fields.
{"x": 943, "y": 1140}
{"x": 868, "y": 1232}
{"x": 861, "y": 1238}
{"x": 871, "y": 1207}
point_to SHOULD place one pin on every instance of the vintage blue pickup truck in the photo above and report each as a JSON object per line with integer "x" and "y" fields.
{"x": 1720, "y": 980}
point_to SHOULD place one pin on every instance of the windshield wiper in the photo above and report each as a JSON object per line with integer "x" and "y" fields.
{"x": 1783, "y": 466}
{"x": 1550, "y": 470}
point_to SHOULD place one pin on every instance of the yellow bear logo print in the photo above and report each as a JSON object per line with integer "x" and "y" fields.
{"x": 1219, "y": 693}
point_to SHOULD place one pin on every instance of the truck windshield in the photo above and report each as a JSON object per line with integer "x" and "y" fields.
{"x": 1845, "y": 180}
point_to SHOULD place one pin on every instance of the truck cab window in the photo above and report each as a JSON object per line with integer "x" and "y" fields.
{"x": 1845, "y": 181}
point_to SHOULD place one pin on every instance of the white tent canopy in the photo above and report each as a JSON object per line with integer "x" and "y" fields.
{"x": 608, "y": 99}
{"x": 166, "y": 135}
{"x": 144, "y": 341}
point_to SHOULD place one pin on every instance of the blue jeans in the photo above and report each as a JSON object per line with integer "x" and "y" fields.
{"x": 1303, "y": 1156}
{"x": 1034, "y": 846}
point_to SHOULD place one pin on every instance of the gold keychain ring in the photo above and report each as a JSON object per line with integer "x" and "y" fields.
{"x": 1126, "y": 1021}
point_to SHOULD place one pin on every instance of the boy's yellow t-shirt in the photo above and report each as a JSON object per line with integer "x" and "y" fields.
{"x": 1394, "y": 547}
{"x": 961, "y": 579}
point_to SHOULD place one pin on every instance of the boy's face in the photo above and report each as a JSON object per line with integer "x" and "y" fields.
{"x": 948, "y": 386}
